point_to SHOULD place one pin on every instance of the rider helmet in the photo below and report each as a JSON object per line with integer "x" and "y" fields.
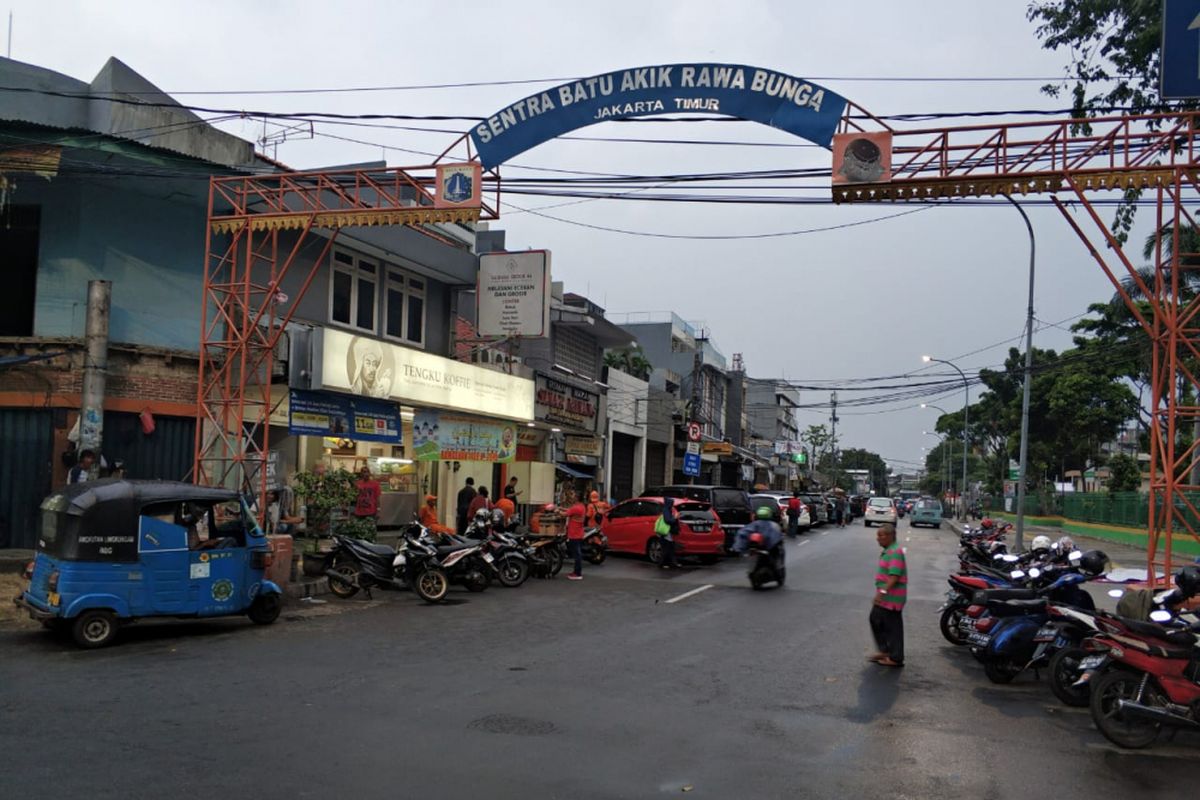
{"x": 1064, "y": 546}
{"x": 1093, "y": 563}
{"x": 987, "y": 524}
{"x": 482, "y": 515}
{"x": 763, "y": 512}
{"x": 497, "y": 516}
{"x": 1041, "y": 544}
{"x": 1188, "y": 580}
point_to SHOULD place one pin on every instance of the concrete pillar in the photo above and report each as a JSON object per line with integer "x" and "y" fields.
{"x": 95, "y": 370}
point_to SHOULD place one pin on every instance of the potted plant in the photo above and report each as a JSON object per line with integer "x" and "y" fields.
{"x": 327, "y": 494}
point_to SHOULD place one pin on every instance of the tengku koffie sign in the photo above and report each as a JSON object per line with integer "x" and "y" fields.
{"x": 760, "y": 95}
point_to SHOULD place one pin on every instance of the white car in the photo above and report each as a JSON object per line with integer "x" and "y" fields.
{"x": 880, "y": 510}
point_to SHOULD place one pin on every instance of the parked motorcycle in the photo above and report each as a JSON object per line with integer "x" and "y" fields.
{"x": 356, "y": 564}
{"x": 595, "y": 545}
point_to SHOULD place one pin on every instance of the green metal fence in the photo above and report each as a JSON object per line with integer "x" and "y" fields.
{"x": 1126, "y": 509}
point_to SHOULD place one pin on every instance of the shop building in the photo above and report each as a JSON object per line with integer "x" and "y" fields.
{"x": 92, "y": 189}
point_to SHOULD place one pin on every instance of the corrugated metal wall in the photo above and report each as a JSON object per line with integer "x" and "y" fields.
{"x": 26, "y": 449}
{"x": 166, "y": 453}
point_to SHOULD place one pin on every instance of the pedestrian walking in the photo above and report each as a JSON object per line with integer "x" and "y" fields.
{"x": 839, "y": 511}
{"x": 669, "y": 560}
{"x": 793, "y": 512}
{"x": 465, "y": 496}
{"x": 576, "y": 511}
{"x": 891, "y": 590}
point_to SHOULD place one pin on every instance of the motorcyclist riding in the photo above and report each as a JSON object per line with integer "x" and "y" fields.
{"x": 766, "y": 536}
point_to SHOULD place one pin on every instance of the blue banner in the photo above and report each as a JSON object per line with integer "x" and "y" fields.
{"x": 358, "y": 418}
{"x": 760, "y": 95}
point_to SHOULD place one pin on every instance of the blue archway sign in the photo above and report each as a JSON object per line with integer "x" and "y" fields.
{"x": 791, "y": 104}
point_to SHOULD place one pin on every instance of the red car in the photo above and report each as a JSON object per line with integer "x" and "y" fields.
{"x": 630, "y": 529}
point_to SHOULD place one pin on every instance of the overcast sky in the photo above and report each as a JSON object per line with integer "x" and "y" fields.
{"x": 813, "y": 307}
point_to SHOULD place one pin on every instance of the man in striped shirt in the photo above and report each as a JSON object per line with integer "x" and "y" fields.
{"x": 891, "y": 590}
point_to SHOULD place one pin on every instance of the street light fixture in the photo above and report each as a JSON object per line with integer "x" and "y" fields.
{"x": 966, "y": 408}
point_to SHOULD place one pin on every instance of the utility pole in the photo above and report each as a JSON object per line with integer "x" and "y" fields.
{"x": 95, "y": 370}
{"x": 833, "y": 420}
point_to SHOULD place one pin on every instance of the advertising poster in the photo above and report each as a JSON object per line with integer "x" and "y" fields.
{"x": 443, "y": 436}
{"x": 340, "y": 417}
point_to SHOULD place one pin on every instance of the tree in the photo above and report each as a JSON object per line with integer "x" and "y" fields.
{"x": 1126, "y": 474}
{"x": 631, "y": 361}
{"x": 858, "y": 458}
{"x": 1114, "y": 45}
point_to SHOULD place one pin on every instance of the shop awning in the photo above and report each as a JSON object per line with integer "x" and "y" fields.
{"x": 574, "y": 473}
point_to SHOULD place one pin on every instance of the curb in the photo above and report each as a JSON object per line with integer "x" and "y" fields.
{"x": 302, "y": 589}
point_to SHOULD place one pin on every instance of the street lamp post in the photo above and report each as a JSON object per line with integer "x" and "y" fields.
{"x": 947, "y": 481}
{"x": 1025, "y": 389}
{"x": 966, "y": 410}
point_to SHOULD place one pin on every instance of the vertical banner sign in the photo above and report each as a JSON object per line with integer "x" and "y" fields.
{"x": 791, "y": 104}
{"x": 442, "y": 436}
{"x": 512, "y": 296}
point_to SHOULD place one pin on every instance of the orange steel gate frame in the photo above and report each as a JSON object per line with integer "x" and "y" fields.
{"x": 1155, "y": 152}
{"x": 243, "y": 312}
{"x": 244, "y": 315}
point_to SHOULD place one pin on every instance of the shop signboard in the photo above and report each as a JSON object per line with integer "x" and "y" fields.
{"x": 446, "y": 436}
{"x": 717, "y": 449}
{"x": 561, "y": 403}
{"x": 369, "y": 367}
{"x": 512, "y": 296}
{"x": 342, "y": 417}
{"x": 583, "y": 446}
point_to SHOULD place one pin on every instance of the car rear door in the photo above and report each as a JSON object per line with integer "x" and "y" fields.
{"x": 617, "y": 525}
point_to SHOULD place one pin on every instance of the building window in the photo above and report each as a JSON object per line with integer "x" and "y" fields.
{"x": 352, "y": 290}
{"x": 19, "y": 228}
{"x": 405, "y": 307}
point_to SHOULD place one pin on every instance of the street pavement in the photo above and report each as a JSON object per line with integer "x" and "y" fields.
{"x": 622, "y": 685}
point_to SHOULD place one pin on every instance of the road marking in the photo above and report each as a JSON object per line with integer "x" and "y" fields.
{"x": 824, "y": 533}
{"x": 806, "y": 541}
{"x": 686, "y": 595}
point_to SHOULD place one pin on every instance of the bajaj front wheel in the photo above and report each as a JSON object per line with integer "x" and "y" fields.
{"x": 265, "y": 609}
{"x": 94, "y": 628}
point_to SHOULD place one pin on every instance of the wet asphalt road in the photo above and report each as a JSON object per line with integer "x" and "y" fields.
{"x": 563, "y": 690}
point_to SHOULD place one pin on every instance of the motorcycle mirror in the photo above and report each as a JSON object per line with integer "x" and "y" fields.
{"x": 1017, "y": 574}
{"x": 1116, "y": 592}
{"x": 1160, "y": 616}
{"x": 1075, "y": 555}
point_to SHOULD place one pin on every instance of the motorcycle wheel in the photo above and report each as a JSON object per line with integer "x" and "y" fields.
{"x": 596, "y": 555}
{"x": 1122, "y": 685}
{"x": 431, "y": 585}
{"x": 949, "y": 625}
{"x": 1064, "y": 671}
{"x": 476, "y": 581}
{"x": 755, "y": 583}
{"x": 349, "y": 571}
{"x": 782, "y": 575}
{"x": 1000, "y": 669}
{"x": 513, "y": 571}
{"x": 556, "y": 557}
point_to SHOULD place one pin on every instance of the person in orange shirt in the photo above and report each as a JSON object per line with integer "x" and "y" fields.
{"x": 507, "y": 506}
{"x": 596, "y": 509}
{"x": 428, "y": 516}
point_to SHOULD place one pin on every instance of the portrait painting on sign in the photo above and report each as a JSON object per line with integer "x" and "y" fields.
{"x": 369, "y": 367}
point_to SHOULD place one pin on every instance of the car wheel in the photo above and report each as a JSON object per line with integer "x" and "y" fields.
{"x": 654, "y": 550}
{"x": 867, "y": 522}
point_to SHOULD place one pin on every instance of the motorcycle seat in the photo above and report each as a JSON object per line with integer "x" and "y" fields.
{"x": 1016, "y": 608}
{"x": 987, "y": 595}
{"x": 377, "y": 549}
{"x": 1179, "y": 638}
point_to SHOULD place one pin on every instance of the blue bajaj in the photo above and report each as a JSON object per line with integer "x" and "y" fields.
{"x": 113, "y": 551}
